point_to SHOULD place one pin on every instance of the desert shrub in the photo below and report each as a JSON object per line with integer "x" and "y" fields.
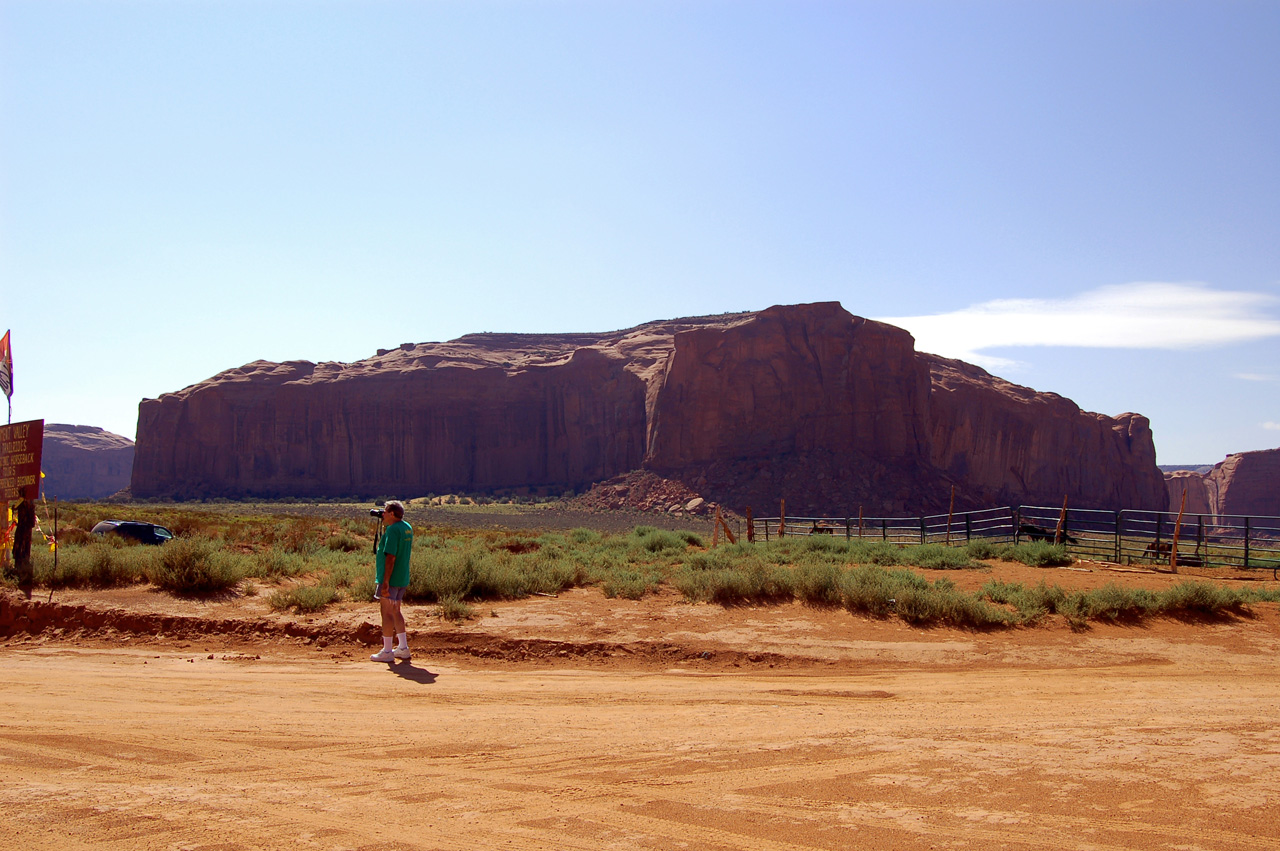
{"x": 438, "y": 574}
{"x": 981, "y": 549}
{"x": 630, "y": 583}
{"x": 298, "y": 538}
{"x": 658, "y": 540}
{"x": 548, "y": 571}
{"x": 347, "y": 569}
{"x": 937, "y": 557}
{"x": 691, "y": 539}
{"x": 873, "y": 590}
{"x": 73, "y": 536}
{"x": 1113, "y": 603}
{"x": 357, "y": 586}
{"x": 1037, "y": 554}
{"x": 941, "y": 603}
{"x": 345, "y": 542}
{"x": 752, "y": 582}
{"x": 585, "y": 536}
{"x": 823, "y": 543}
{"x": 304, "y": 598}
{"x": 1201, "y": 598}
{"x": 879, "y": 592}
{"x": 360, "y": 527}
{"x": 717, "y": 559}
{"x": 1031, "y": 604}
{"x": 474, "y": 572}
{"x": 274, "y": 564}
{"x": 102, "y": 563}
{"x": 194, "y": 566}
{"x": 1261, "y": 595}
{"x": 453, "y": 609}
{"x": 818, "y": 583}
{"x": 880, "y": 553}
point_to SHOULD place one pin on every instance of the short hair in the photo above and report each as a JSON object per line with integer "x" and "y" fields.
{"x": 395, "y": 506}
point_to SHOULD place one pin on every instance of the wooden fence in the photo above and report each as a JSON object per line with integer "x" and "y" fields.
{"x": 1122, "y": 537}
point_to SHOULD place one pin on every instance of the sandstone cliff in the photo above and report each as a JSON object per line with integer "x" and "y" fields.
{"x": 1245, "y": 484}
{"x": 1015, "y": 445}
{"x": 83, "y": 462}
{"x": 807, "y": 402}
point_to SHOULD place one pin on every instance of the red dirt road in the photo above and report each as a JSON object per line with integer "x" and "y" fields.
{"x": 864, "y": 734}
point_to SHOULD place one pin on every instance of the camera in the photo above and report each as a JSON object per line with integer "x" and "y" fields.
{"x": 375, "y": 512}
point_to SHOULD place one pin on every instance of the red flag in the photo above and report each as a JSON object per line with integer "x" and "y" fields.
{"x": 6, "y": 366}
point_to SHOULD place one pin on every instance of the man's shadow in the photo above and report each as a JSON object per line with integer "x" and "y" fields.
{"x": 405, "y": 670}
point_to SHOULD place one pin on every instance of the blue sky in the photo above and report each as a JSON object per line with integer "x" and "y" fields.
{"x": 1083, "y": 197}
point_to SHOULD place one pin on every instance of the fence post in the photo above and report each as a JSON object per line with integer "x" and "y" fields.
{"x": 751, "y": 527}
{"x": 848, "y": 528}
{"x": 968, "y": 529}
{"x": 1015, "y": 515}
{"x": 1119, "y": 515}
{"x": 1246, "y": 543}
{"x": 884, "y": 529}
{"x": 922, "y": 530}
{"x": 1159, "y": 519}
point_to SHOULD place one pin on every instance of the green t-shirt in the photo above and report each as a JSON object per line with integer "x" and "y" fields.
{"x": 398, "y": 541}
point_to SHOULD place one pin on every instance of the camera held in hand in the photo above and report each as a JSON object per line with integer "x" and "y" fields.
{"x": 377, "y": 513}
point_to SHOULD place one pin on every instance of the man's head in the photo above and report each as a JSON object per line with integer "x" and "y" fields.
{"x": 395, "y": 507}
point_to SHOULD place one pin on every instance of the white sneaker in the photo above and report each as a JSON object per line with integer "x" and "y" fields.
{"x": 401, "y": 652}
{"x": 383, "y": 656}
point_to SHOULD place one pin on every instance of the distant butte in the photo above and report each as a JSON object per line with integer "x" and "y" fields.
{"x": 84, "y": 462}
{"x": 807, "y": 402}
{"x": 1247, "y": 483}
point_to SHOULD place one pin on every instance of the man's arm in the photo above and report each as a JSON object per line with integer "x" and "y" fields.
{"x": 388, "y": 565}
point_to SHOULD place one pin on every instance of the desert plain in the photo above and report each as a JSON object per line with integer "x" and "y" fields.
{"x": 580, "y": 722}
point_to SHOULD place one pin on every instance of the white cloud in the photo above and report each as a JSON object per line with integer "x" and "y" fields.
{"x": 1271, "y": 426}
{"x": 1125, "y": 316}
{"x": 1254, "y": 376}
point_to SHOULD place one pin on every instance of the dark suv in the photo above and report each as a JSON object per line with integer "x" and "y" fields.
{"x": 143, "y": 533}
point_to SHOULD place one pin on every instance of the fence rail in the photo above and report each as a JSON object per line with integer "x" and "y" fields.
{"x": 1123, "y": 537}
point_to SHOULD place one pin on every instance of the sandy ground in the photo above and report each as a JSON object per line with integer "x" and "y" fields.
{"x": 582, "y": 723}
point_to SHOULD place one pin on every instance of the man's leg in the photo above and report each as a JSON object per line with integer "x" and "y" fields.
{"x": 390, "y": 612}
{"x": 402, "y": 634}
{"x": 389, "y": 609}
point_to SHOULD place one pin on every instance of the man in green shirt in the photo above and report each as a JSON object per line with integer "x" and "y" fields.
{"x": 392, "y": 561}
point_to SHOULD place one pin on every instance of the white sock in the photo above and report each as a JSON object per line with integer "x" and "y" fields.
{"x": 386, "y": 642}
{"x": 404, "y": 640}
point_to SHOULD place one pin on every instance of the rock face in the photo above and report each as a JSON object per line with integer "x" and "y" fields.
{"x": 1246, "y": 484}
{"x": 807, "y": 402}
{"x": 1017, "y": 445}
{"x": 1200, "y": 500}
{"x": 83, "y": 462}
